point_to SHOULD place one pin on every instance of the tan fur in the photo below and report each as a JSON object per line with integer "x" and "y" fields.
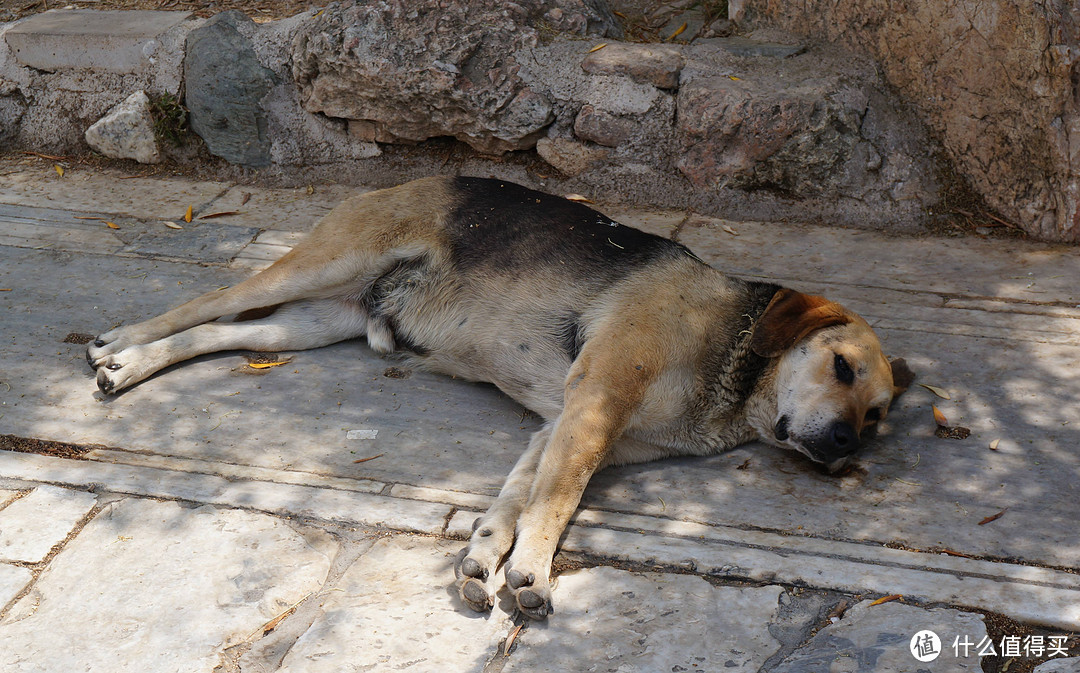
{"x": 674, "y": 358}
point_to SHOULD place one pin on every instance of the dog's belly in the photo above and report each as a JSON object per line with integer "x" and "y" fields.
{"x": 491, "y": 330}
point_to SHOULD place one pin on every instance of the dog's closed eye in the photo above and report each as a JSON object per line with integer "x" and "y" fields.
{"x": 844, "y": 373}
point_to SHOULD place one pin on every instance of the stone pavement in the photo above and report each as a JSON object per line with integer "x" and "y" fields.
{"x": 307, "y": 517}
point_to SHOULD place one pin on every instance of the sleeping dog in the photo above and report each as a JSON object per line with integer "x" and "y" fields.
{"x": 629, "y": 346}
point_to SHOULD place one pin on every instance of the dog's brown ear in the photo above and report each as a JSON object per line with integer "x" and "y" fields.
{"x": 902, "y": 377}
{"x": 789, "y": 317}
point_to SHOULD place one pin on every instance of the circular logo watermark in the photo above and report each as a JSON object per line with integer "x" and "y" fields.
{"x": 925, "y": 646}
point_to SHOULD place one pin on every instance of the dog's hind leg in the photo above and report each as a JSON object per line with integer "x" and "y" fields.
{"x": 294, "y": 326}
{"x": 493, "y": 533}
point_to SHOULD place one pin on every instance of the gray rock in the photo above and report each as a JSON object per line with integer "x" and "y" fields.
{"x": 655, "y": 64}
{"x": 602, "y": 127}
{"x": 794, "y": 136}
{"x": 226, "y": 84}
{"x": 569, "y": 156}
{"x": 127, "y": 131}
{"x": 877, "y": 639}
{"x": 408, "y": 72}
{"x": 111, "y": 41}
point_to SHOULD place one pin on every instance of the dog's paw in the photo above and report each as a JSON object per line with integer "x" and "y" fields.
{"x": 107, "y": 344}
{"x": 532, "y": 592}
{"x": 479, "y": 563}
{"x": 120, "y": 370}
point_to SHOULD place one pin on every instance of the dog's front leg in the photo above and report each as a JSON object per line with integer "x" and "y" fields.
{"x": 493, "y": 533}
{"x": 599, "y": 403}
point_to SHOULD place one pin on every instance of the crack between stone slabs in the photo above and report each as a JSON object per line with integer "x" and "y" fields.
{"x": 780, "y": 532}
{"x": 385, "y": 490}
{"x": 41, "y": 566}
{"x": 276, "y": 643}
{"x": 19, "y": 495}
{"x": 677, "y": 231}
{"x": 205, "y": 206}
{"x": 886, "y": 564}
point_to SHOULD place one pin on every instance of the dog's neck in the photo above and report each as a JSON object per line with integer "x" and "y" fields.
{"x": 736, "y": 376}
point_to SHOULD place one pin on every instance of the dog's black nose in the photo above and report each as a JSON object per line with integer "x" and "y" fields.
{"x": 845, "y": 441}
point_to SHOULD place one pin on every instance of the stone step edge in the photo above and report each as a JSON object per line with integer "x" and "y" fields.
{"x": 1024, "y": 593}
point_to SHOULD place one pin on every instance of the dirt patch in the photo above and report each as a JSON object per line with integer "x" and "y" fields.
{"x": 44, "y": 447}
{"x": 78, "y": 338}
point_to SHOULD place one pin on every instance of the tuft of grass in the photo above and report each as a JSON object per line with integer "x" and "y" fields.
{"x": 170, "y": 119}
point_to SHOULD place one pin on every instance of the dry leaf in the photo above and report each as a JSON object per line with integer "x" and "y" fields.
{"x": 172, "y": 225}
{"x": 678, "y": 31}
{"x": 734, "y": 78}
{"x": 112, "y": 225}
{"x": 88, "y": 217}
{"x": 994, "y": 444}
{"x": 943, "y": 394}
{"x": 577, "y": 197}
{"x": 730, "y": 230}
{"x": 887, "y": 599}
{"x": 267, "y": 365}
{"x": 221, "y": 214}
{"x": 247, "y": 195}
{"x": 364, "y": 460}
{"x": 59, "y": 169}
{"x": 993, "y": 517}
{"x": 939, "y": 417}
{"x": 5, "y": 289}
{"x": 510, "y": 640}
{"x": 187, "y": 215}
{"x": 950, "y": 552}
{"x": 597, "y": 47}
{"x": 310, "y": 189}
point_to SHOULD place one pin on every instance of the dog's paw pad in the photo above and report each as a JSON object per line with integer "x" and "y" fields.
{"x": 476, "y": 595}
{"x": 534, "y": 603}
{"x": 517, "y": 579}
{"x": 472, "y": 568}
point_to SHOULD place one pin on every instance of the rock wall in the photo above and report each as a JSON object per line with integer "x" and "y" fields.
{"x": 758, "y": 126}
{"x": 995, "y": 80}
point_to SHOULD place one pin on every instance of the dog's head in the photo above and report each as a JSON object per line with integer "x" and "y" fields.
{"x": 833, "y": 382}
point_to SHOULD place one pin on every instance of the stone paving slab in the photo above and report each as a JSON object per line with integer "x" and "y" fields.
{"x": 326, "y": 504}
{"x": 84, "y": 192}
{"x": 613, "y": 620}
{"x": 396, "y": 608}
{"x": 13, "y": 579}
{"x": 31, "y": 526}
{"x": 150, "y": 586}
{"x": 1002, "y": 345}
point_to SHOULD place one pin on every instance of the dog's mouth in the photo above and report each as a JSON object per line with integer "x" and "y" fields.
{"x": 782, "y": 433}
